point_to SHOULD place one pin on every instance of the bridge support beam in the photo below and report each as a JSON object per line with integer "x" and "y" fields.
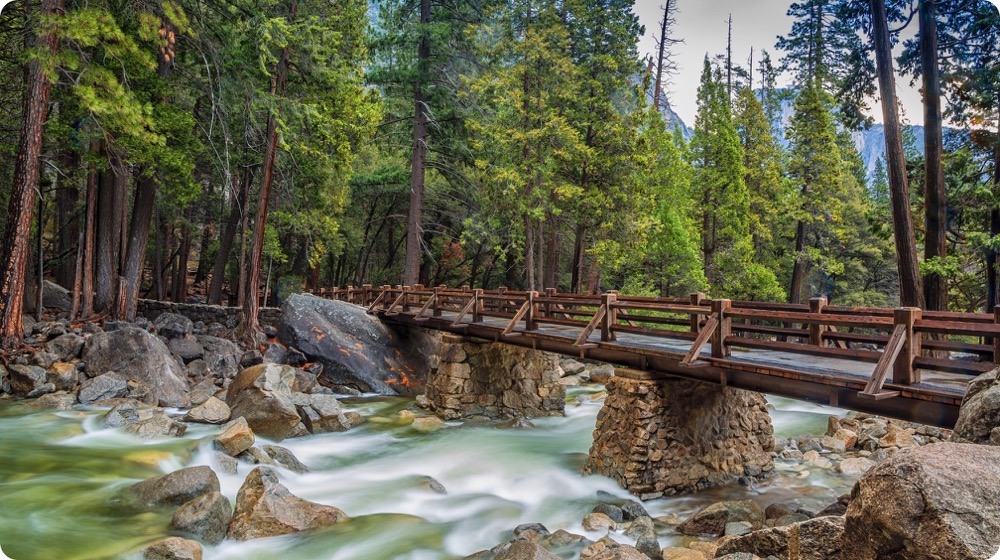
{"x": 667, "y": 436}
{"x": 496, "y": 380}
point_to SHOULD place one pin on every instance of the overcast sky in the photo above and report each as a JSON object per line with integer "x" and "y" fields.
{"x": 756, "y": 23}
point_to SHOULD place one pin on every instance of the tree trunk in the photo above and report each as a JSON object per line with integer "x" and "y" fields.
{"x": 87, "y": 266}
{"x": 552, "y": 254}
{"x": 578, "y": 250}
{"x": 14, "y": 252}
{"x": 798, "y": 269}
{"x": 111, "y": 191}
{"x": 67, "y": 225}
{"x": 529, "y": 252}
{"x": 178, "y": 292}
{"x": 660, "y": 59}
{"x": 207, "y": 229}
{"x": 249, "y": 327}
{"x": 935, "y": 204}
{"x": 910, "y": 293}
{"x": 239, "y": 204}
{"x": 992, "y": 276}
{"x": 138, "y": 238}
{"x": 414, "y": 223}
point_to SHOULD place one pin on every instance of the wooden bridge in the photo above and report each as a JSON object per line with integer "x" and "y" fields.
{"x": 904, "y": 363}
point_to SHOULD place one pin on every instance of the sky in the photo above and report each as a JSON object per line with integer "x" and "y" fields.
{"x": 756, "y": 23}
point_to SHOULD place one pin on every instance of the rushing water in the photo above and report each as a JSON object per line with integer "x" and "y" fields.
{"x": 62, "y": 477}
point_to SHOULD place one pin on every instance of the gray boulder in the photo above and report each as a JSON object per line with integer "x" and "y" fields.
{"x": 67, "y": 346}
{"x": 222, "y": 356}
{"x": 187, "y": 349}
{"x": 815, "y": 539}
{"x": 979, "y": 417}
{"x": 172, "y": 325}
{"x": 212, "y": 411}
{"x": 285, "y": 458}
{"x": 25, "y": 379}
{"x": 524, "y": 550}
{"x": 157, "y": 426}
{"x": 111, "y": 385}
{"x": 141, "y": 358}
{"x": 205, "y": 517}
{"x": 177, "y": 487}
{"x": 54, "y": 296}
{"x": 262, "y": 394}
{"x": 356, "y": 349}
{"x": 940, "y": 501}
{"x": 265, "y": 508}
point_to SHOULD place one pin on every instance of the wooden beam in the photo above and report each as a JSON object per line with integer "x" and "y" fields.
{"x": 707, "y": 331}
{"x": 465, "y": 311}
{"x": 720, "y": 308}
{"x": 903, "y": 372}
{"x": 517, "y": 317}
{"x": 893, "y": 349}
{"x": 581, "y": 341}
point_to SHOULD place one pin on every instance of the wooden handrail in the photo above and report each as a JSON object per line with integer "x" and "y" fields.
{"x": 581, "y": 341}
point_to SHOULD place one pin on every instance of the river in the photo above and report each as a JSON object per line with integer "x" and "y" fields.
{"x": 62, "y": 477}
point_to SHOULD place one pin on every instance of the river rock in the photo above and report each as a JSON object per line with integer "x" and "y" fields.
{"x": 265, "y": 508}
{"x": 855, "y": 466}
{"x": 356, "y": 349}
{"x": 173, "y": 548}
{"x": 323, "y": 414}
{"x": 837, "y": 508}
{"x": 937, "y": 501}
{"x": 177, "y": 487}
{"x": 64, "y": 376}
{"x": 141, "y": 358}
{"x": 712, "y": 520}
{"x": 54, "y": 401}
{"x": 897, "y": 437}
{"x": 522, "y": 550}
{"x": 202, "y": 391}
{"x": 256, "y": 456}
{"x": 611, "y": 510}
{"x": 285, "y": 458}
{"x": 608, "y": 549}
{"x": 212, "y": 411}
{"x": 262, "y": 394}
{"x": 633, "y": 510}
{"x": 979, "y": 417}
{"x": 815, "y": 539}
{"x": 599, "y": 522}
{"x": 222, "y": 356}
{"x": 428, "y": 423}
{"x": 236, "y": 438}
{"x": 111, "y": 385}
{"x": 681, "y": 553}
{"x": 67, "y": 346}
{"x": 24, "y": 379}
{"x": 123, "y": 414}
{"x": 601, "y": 373}
{"x": 157, "y": 426}
{"x": 173, "y": 325}
{"x": 205, "y": 517}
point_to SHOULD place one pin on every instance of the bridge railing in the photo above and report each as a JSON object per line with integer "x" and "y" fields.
{"x": 900, "y": 342}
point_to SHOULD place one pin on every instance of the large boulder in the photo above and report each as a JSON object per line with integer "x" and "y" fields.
{"x": 25, "y": 379}
{"x": 54, "y": 296}
{"x": 206, "y": 517}
{"x": 356, "y": 349}
{"x": 222, "y": 356}
{"x": 262, "y": 394}
{"x": 815, "y": 539}
{"x": 173, "y": 325}
{"x": 940, "y": 501}
{"x": 265, "y": 508}
{"x": 142, "y": 359}
{"x": 173, "y": 548}
{"x": 979, "y": 417}
{"x": 524, "y": 550}
{"x": 177, "y": 487}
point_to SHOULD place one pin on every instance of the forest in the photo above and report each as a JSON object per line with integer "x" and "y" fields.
{"x": 236, "y": 151}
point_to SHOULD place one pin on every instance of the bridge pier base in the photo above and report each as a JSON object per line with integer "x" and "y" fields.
{"x": 479, "y": 378}
{"x": 660, "y": 437}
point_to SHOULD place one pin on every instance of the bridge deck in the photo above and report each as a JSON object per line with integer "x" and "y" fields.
{"x": 826, "y": 380}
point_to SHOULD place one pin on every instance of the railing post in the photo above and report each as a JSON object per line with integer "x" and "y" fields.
{"x": 366, "y": 295}
{"x": 530, "y": 318}
{"x": 477, "y": 308}
{"x": 406, "y": 298}
{"x": 500, "y": 303}
{"x": 549, "y": 294}
{"x": 724, "y": 330}
{"x": 610, "y": 316}
{"x": 816, "y": 305}
{"x": 436, "y": 306}
{"x": 696, "y": 300}
{"x": 903, "y": 372}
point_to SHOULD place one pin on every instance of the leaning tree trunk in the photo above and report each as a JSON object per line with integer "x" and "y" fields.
{"x": 249, "y": 327}
{"x": 910, "y": 293}
{"x": 86, "y": 281}
{"x": 20, "y": 212}
{"x": 239, "y": 204}
{"x": 414, "y": 222}
{"x": 935, "y": 215}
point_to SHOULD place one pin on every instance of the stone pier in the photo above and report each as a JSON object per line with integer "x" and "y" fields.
{"x": 660, "y": 437}
{"x": 478, "y": 378}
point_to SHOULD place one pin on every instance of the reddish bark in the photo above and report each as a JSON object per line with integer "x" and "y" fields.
{"x": 14, "y": 252}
